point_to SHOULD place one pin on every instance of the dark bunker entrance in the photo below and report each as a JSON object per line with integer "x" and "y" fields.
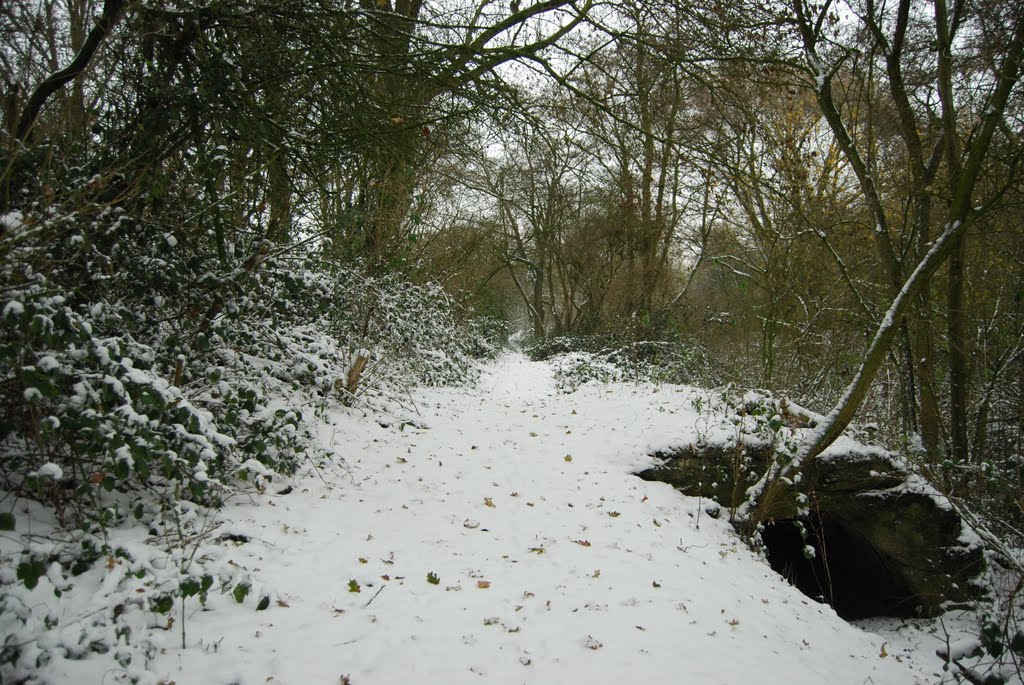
{"x": 845, "y": 571}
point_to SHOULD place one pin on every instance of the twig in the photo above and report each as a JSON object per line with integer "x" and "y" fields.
{"x": 375, "y": 595}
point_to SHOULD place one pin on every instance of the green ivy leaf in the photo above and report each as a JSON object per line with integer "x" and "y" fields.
{"x": 1017, "y": 643}
{"x": 151, "y": 399}
{"x": 197, "y": 488}
{"x": 264, "y": 603}
{"x": 433, "y": 578}
{"x": 6, "y": 520}
{"x": 189, "y": 587}
{"x": 992, "y": 638}
{"x": 353, "y": 586}
{"x": 161, "y": 604}
{"x": 29, "y": 572}
{"x": 240, "y": 591}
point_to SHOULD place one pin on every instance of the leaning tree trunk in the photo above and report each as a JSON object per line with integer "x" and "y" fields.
{"x": 944, "y": 246}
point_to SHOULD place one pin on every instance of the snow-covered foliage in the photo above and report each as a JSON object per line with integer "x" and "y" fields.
{"x": 143, "y": 375}
{"x": 574, "y": 369}
{"x": 605, "y": 359}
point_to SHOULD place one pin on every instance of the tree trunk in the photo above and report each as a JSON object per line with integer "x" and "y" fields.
{"x": 958, "y": 374}
{"x": 923, "y": 345}
{"x": 57, "y": 80}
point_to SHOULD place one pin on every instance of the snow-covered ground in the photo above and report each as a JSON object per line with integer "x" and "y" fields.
{"x": 500, "y": 540}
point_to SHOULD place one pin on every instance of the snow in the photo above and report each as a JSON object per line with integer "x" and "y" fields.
{"x": 553, "y": 563}
{"x": 820, "y": 76}
{"x": 961, "y": 649}
{"x": 11, "y": 221}
{"x": 50, "y": 470}
{"x": 846, "y": 447}
{"x": 13, "y": 308}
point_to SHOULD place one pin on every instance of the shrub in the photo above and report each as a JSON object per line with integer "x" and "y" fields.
{"x": 606, "y": 359}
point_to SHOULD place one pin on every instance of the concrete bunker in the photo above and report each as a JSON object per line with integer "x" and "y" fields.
{"x": 844, "y": 570}
{"x": 884, "y": 543}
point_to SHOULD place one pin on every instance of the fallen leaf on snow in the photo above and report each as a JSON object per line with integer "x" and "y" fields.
{"x": 483, "y": 584}
{"x": 582, "y": 543}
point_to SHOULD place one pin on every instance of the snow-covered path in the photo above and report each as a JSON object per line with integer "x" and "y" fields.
{"x": 547, "y": 561}
{"x": 554, "y": 565}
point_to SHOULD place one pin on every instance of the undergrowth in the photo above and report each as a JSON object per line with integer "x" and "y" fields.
{"x": 605, "y": 359}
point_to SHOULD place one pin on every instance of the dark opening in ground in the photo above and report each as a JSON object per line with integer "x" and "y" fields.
{"x": 846, "y": 571}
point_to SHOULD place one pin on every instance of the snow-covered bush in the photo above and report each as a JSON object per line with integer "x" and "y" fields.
{"x": 605, "y": 359}
{"x": 573, "y": 369}
{"x": 488, "y": 336}
{"x": 413, "y": 331}
{"x": 665, "y": 362}
{"x": 127, "y": 367}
